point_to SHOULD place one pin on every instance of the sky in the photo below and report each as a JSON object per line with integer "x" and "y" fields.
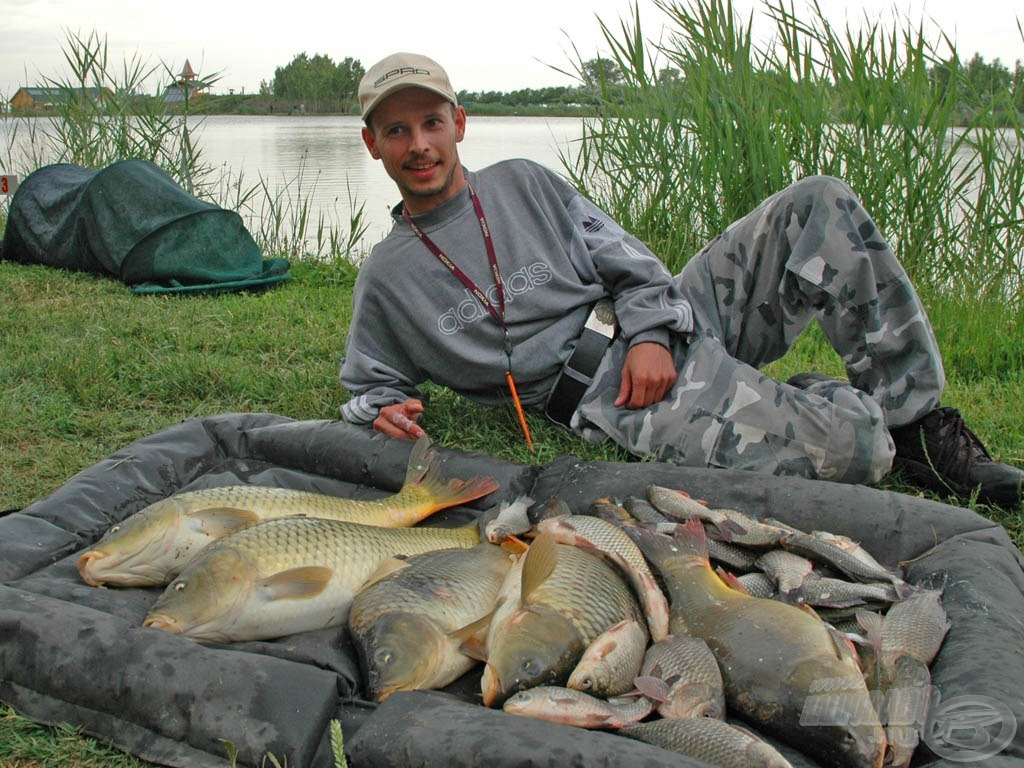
{"x": 484, "y": 45}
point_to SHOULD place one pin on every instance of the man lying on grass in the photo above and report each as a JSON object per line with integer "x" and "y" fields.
{"x": 506, "y": 284}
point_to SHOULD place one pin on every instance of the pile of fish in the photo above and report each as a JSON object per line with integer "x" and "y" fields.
{"x": 657, "y": 618}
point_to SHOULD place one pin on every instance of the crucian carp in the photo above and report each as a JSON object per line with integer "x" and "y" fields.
{"x": 153, "y": 546}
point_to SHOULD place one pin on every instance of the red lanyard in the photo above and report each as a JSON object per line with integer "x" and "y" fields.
{"x": 498, "y": 313}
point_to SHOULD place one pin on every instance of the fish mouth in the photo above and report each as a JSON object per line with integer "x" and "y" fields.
{"x": 89, "y": 567}
{"x": 163, "y": 623}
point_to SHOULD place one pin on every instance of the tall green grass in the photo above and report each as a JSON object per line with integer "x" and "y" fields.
{"x": 711, "y": 121}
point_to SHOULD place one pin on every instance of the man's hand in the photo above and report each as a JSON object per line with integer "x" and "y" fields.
{"x": 647, "y": 375}
{"x": 399, "y": 420}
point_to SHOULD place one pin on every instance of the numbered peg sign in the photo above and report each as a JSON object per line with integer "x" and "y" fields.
{"x": 8, "y": 183}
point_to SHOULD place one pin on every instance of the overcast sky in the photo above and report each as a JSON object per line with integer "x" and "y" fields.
{"x": 484, "y": 45}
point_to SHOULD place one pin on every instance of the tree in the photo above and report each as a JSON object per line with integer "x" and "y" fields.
{"x": 598, "y": 72}
{"x": 318, "y": 82}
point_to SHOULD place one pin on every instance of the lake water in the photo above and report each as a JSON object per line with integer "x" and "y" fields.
{"x": 323, "y": 159}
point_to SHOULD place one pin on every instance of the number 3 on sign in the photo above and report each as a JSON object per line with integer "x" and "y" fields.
{"x": 8, "y": 184}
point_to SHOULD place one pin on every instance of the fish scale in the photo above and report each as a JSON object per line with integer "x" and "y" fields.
{"x": 456, "y": 582}
{"x": 590, "y": 593}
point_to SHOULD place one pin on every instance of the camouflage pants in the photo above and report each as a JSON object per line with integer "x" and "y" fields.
{"x": 809, "y": 251}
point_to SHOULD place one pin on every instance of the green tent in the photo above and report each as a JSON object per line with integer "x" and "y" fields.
{"x": 133, "y": 221}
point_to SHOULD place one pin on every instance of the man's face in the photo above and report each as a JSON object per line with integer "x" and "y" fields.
{"x": 414, "y": 133}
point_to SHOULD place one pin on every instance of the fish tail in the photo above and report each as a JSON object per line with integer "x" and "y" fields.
{"x": 691, "y": 537}
{"x": 424, "y": 475}
{"x": 669, "y": 541}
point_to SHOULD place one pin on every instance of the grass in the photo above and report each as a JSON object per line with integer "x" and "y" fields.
{"x": 87, "y": 367}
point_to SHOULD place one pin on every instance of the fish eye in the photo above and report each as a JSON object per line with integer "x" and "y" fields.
{"x": 530, "y": 667}
{"x": 180, "y": 585}
{"x": 383, "y": 657}
{"x": 587, "y": 683}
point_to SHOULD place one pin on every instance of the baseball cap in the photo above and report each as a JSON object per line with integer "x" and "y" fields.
{"x": 402, "y": 70}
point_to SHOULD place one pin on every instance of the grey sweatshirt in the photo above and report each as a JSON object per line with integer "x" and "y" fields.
{"x": 414, "y": 321}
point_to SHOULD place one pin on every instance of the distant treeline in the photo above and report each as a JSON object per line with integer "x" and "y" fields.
{"x": 319, "y": 85}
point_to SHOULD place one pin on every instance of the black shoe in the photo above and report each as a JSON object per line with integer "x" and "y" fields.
{"x": 940, "y": 453}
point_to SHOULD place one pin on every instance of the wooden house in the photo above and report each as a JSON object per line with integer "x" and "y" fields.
{"x": 38, "y": 97}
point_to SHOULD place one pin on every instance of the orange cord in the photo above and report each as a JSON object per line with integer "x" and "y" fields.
{"x": 519, "y": 409}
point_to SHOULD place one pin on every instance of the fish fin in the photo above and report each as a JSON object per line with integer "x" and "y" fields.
{"x": 473, "y": 637}
{"x": 297, "y": 583}
{"x": 384, "y": 569}
{"x": 726, "y": 529}
{"x": 602, "y": 646}
{"x": 692, "y": 536}
{"x": 654, "y": 688}
{"x": 554, "y": 507}
{"x": 871, "y": 623}
{"x": 732, "y": 580}
{"x": 423, "y": 477}
{"x": 903, "y": 589}
{"x": 845, "y": 648}
{"x": 539, "y": 564}
{"x": 421, "y": 459}
{"x": 606, "y": 509}
{"x": 514, "y": 545}
{"x": 223, "y": 521}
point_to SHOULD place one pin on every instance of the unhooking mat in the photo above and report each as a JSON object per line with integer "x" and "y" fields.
{"x": 133, "y": 221}
{"x": 76, "y": 654}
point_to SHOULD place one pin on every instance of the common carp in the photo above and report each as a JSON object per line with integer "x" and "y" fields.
{"x": 772, "y": 655}
{"x": 405, "y": 626}
{"x": 152, "y": 546}
{"x": 569, "y": 597}
{"x": 286, "y": 576}
{"x": 611, "y": 541}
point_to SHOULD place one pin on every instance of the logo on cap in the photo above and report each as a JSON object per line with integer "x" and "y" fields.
{"x": 402, "y": 71}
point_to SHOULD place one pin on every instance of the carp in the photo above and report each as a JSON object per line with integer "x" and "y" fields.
{"x": 153, "y": 546}
{"x": 682, "y": 676}
{"x": 285, "y": 576}
{"x": 569, "y": 597}
{"x": 772, "y": 655}
{"x": 406, "y": 626}
{"x": 709, "y": 740}
{"x": 582, "y": 710}
{"x": 611, "y": 541}
{"x": 609, "y": 665}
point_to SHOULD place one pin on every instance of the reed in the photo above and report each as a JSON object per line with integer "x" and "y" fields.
{"x": 710, "y": 121}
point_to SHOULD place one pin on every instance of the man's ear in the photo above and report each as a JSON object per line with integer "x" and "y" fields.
{"x": 371, "y": 143}
{"x": 460, "y": 123}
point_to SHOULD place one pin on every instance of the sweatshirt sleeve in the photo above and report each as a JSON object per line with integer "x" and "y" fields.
{"x": 374, "y": 369}
{"x": 648, "y": 303}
